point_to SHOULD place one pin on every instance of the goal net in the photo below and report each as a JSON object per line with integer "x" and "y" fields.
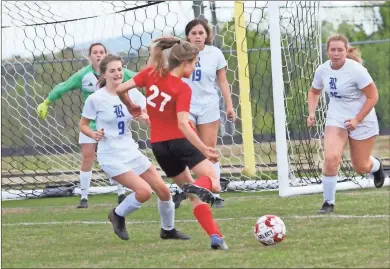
{"x": 44, "y": 43}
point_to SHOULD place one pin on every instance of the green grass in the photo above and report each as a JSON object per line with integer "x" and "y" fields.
{"x": 356, "y": 236}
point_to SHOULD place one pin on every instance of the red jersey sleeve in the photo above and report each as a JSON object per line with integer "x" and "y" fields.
{"x": 142, "y": 77}
{"x": 183, "y": 98}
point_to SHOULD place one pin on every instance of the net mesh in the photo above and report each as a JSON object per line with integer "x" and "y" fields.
{"x": 44, "y": 43}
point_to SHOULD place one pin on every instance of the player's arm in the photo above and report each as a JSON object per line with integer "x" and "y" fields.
{"x": 182, "y": 109}
{"x": 365, "y": 83}
{"x": 188, "y": 132}
{"x": 225, "y": 89}
{"x": 122, "y": 92}
{"x": 313, "y": 96}
{"x": 74, "y": 82}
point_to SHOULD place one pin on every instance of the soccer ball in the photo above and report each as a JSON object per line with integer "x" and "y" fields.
{"x": 269, "y": 230}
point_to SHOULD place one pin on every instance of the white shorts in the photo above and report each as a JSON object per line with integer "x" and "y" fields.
{"x": 364, "y": 130}
{"x": 84, "y": 139}
{"x": 139, "y": 165}
{"x": 205, "y": 114}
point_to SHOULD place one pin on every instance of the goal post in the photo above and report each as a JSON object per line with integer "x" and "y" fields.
{"x": 244, "y": 86}
{"x": 278, "y": 98}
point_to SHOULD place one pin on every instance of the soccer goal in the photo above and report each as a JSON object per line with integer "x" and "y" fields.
{"x": 272, "y": 49}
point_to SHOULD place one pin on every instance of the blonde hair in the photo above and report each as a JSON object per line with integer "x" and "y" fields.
{"x": 352, "y": 53}
{"x": 103, "y": 67}
{"x": 181, "y": 51}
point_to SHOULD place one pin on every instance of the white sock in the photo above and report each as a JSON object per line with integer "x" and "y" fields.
{"x": 120, "y": 189}
{"x": 167, "y": 214}
{"x": 85, "y": 181}
{"x": 217, "y": 168}
{"x": 129, "y": 205}
{"x": 329, "y": 186}
{"x": 376, "y": 165}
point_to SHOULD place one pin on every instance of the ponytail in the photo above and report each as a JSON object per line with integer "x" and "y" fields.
{"x": 354, "y": 54}
{"x": 157, "y": 58}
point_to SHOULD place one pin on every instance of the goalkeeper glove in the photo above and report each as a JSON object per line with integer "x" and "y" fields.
{"x": 42, "y": 109}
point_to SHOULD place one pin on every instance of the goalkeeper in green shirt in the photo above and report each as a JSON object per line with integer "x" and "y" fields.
{"x": 86, "y": 80}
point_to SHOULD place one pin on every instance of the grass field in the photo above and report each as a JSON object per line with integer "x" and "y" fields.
{"x": 53, "y": 233}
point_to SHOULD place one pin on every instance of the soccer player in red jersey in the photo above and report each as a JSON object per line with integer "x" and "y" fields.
{"x": 175, "y": 144}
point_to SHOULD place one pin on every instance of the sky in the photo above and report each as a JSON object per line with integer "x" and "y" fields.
{"x": 162, "y": 18}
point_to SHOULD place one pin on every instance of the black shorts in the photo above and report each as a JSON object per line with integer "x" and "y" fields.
{"x": 175, "y": 155}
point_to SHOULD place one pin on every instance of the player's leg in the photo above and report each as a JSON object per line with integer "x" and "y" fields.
{"x": 208, "y": 132}
{"x": 88, "y": 148}
{"x": 202, "y": 213}
{"x": 335, "y": 139}
{"x": 361, "y": 142}
{"x": 141, "y": 193}
{"x": 179, "y": 195}
{"x": 174, "y": 156}
{"x": 165, "y": 205}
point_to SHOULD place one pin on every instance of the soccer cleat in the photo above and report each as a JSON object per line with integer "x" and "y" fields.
{"x": 326, "y": 208}
{"x": 204, "y": 194}
{"x": 379, "y": 176}
{"x": 219, "y": 203}
{"x": 178, "y": 198}
{"x": 217, "y": 242}
{"x": 119, "y": 225}
{"x": 173, "y": 234}
{"x": 83, "y": 203}
{"x": 121, "y": 198}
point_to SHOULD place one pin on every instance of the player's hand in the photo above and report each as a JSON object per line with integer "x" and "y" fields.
{"x": 98, "y": 135}
{"x": 231, "y": 114}
{"x": 210, "y": 154}
{"x": 134, "y": 110}
{"x": 311, "y": 120}
{"x": 42, "y": 109}
{"x": 144, "y": 117}
{"x": 351, "y": 124}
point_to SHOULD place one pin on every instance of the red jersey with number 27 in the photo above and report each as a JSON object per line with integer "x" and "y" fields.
{"x": 165, "y": 97}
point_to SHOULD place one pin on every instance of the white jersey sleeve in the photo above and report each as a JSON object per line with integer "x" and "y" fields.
{"x": 361, "y": 76}
{"x": 137, "y": 98}
{"x": 317, "y": 80}
{"x": 221, "y": 60}
{"x": 89, "y": 110}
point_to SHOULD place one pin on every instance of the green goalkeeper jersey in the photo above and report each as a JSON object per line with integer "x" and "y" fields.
{"x": 86, "y": 80}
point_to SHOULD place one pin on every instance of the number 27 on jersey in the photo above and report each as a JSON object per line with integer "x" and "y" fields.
{"x": 156, "y": 92}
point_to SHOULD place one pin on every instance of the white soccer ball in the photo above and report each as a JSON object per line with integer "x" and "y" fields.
{"x": 269, "y": 230}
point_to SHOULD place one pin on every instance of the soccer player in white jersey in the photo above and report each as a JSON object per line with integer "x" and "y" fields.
{"x": 86, "y": 80}
{"x": 118, "y": 153}
{"x": 209, "y": 72}
{"x": 350, "y": 117}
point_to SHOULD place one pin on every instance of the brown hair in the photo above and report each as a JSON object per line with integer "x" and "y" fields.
{"x": 93, "y": 45}
{"x": 181, "y": 51}
{"x": 352, "y": 53}
{"x": 103, "y": 67}
{"x": 205, "y": 25}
